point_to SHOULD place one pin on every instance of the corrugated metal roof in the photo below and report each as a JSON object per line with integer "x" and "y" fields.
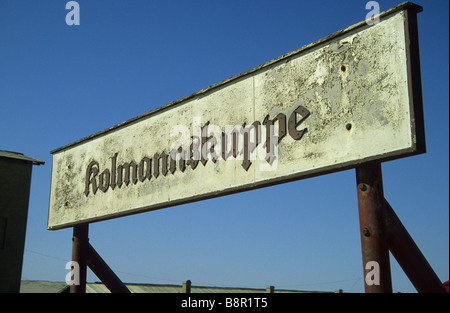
{"x": 56, "y": 287}
{"x": 153, "y": 288}
{"x": 19, "y": 156}
{"x": 38, "y": 286}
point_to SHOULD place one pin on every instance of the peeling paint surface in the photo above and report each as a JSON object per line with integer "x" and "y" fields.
{"x": 355, "y": 87}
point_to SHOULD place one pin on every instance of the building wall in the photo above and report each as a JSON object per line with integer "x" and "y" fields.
{"x": 15, "y": 178}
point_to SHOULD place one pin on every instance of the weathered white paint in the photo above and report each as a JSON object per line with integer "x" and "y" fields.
{"x": 358, "y": 77}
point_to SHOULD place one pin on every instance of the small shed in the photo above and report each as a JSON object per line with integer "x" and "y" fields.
{"x": 15, "y": 180}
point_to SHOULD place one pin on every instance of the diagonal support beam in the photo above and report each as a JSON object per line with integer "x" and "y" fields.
{"x": 409, "y": 256}
{"x": 104, "y": 272}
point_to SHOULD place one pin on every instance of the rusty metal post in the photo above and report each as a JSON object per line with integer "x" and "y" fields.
{"x": 80, "y": 242}
{"x": 375, "y": 253}
{"x": 186, "y": 287}
{"x": 409, "y": 256}
{"x": 104, "y": 272}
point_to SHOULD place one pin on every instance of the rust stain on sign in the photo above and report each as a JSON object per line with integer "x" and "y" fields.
{"x": 350, "y": 98}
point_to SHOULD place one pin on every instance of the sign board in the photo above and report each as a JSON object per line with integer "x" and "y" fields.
{"x": 347, "y": 99}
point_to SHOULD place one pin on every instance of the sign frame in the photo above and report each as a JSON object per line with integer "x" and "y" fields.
{"x": 415, "y": 109}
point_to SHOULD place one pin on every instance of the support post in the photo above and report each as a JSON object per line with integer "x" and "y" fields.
{"x": 186, "y": 287}
{"x": 375, "y": 253}
{"x": 409, "y": 256}
{"x": 80, "y": 242}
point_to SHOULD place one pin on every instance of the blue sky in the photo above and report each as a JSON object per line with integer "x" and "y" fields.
{"x": 60, "y": 83}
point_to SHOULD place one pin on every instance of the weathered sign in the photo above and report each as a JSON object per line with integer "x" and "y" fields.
{"x": 350, "y": 98}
